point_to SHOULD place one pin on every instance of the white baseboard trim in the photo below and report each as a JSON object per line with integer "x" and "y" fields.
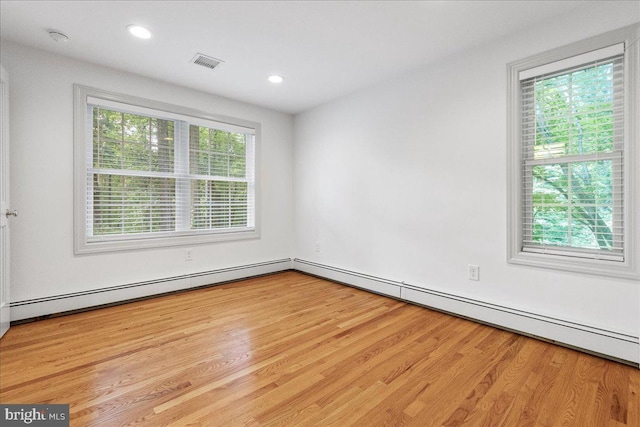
{"x": 590, "y": 339}
{"x": 351, "y": 278}
{"x": 37, "y": 307}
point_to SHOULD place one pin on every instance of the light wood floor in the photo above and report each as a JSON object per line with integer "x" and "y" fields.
{"x": 294, "y": 350}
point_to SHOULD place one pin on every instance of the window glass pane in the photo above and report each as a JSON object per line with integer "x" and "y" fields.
{"x": 218, "y": 204}
{"x": 129, "y": 205}
{"x": 550, "y": 184}
{"x": 574, "y": 113}
{"x": 216, "y": 152}
{"x": 108, "y": 154}
{"x": 591, "y": 182}
{"x": 107, "y": 138}
{"x": 551, "y": 225}
{"x": 132, "y": 142}
{"x": 219, "y": 164}
{"x": 591, "y": 227}
{"x": 573, "y": 204}
{"x": 237, "y": 154}
{"x": 238, "y": 204}
{"x": 220, "y": 141}
{"x": 135, "y": 156}
{"x": 162, "y": 145}
{"x": 107, "y": 195}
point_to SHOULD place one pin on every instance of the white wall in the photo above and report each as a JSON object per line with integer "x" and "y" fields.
{"x": 41, "y": 105}
{"x": 407, "y": 181}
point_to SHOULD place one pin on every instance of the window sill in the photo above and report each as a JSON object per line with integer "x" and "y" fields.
{"x": 600, "y": 267}
{"x": 84, "y": 247}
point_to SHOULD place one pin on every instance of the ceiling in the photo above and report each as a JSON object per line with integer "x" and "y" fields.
{"x": 324, "y": 49}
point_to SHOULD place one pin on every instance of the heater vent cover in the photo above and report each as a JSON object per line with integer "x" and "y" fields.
{"x": 206, "y": 61}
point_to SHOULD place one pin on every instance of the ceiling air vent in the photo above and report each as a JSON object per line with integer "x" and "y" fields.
{"x": 206, "y": 61}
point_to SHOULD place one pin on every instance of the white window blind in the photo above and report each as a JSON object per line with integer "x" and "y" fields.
{"x": 154, "y": 174}
{"x": 574, "y": 61}
{"x": 572, "y": 124}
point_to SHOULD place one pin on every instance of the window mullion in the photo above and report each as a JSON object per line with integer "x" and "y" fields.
{"x": 250, "y": 176}
{"x": 183, "y": 183}
{"x": 89, "y": 176}
{"x": 569, "y": 203}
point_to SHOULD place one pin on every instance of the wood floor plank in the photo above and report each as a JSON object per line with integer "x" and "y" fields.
{"x": 294, "y": 350}
{"x": 551, "y": 410}
{"x": 495, "y": 404}
{"x": 576, "y": 389}
{"x": 633, "y": 413}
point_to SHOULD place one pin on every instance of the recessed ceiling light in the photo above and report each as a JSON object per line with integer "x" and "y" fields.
{"x": 139, "y": 31}
{"x": 276, "y": 79}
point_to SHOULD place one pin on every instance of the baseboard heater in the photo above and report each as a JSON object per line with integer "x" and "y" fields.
{"x": 620, "y": 346}
{"x": 37, "y": 308}
{"x": 615, "y": 345}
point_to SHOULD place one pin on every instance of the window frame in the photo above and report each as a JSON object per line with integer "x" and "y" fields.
{"x": 85, "y": 96}
{"x": 562, "y": 260}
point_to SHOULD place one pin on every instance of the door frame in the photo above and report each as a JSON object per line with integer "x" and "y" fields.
{"x": 5, "y": 315}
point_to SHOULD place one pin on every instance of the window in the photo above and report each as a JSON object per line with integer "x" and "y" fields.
{"x": 150, "y": 174}
{"x": 571, "y": 154}
{"x": 572, "y": 160}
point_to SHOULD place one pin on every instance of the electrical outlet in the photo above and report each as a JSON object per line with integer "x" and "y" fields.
{"x": 317, "y": 246}
{"x": 474, "y": 272}
{"x": 188, "y": 256}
